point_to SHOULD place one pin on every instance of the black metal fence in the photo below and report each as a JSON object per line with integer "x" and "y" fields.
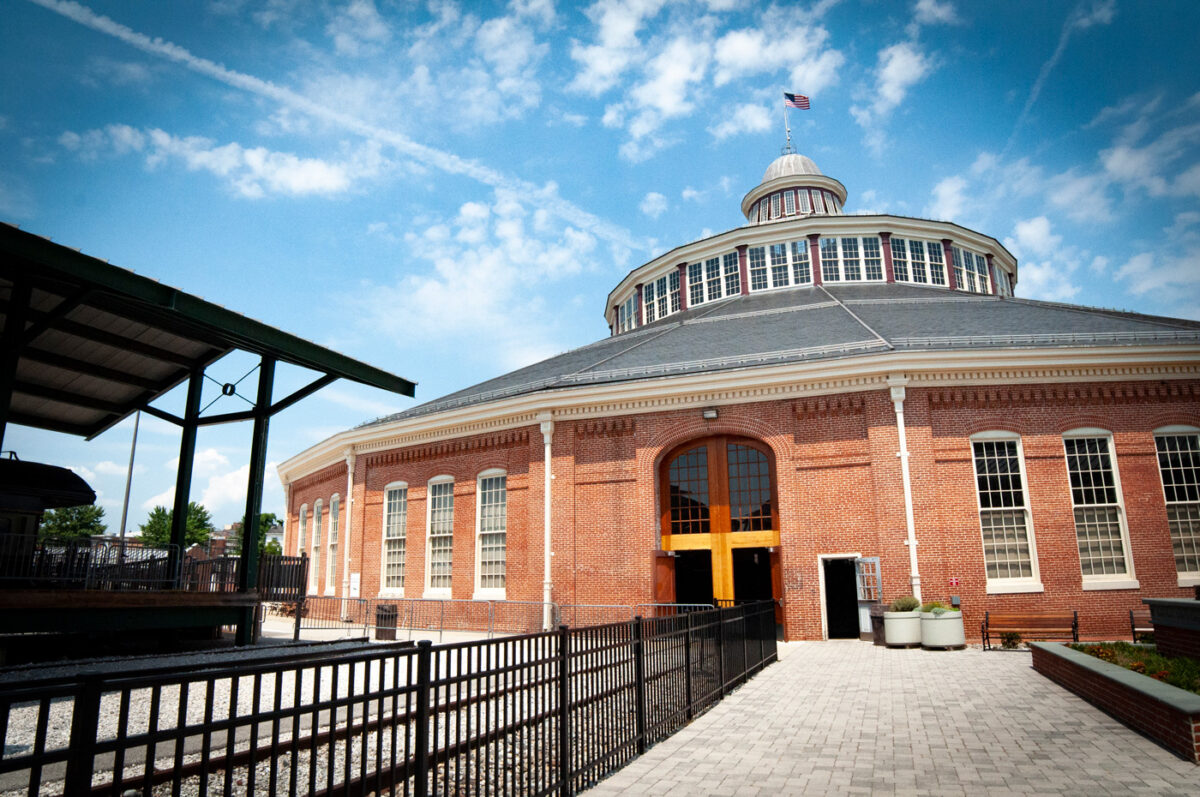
{"x": 126, "y": 566}
{"x": 545, "y": 713}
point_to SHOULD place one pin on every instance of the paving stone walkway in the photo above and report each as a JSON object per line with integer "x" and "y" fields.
{"x": 847, "y": 717}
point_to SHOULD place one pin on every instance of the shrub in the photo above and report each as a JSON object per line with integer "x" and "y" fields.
{"x": 905, "y": 604}
{"x": 932, "y": 605}
{"x": 1010, "y": 640}
{"x": 1182, "y": 671}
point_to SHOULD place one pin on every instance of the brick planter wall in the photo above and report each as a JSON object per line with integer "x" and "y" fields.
{"x": 1176, "y": 626}
{"x": 1167, "y": 714}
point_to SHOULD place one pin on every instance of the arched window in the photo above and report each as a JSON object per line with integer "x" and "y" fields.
{"x": 1009, "y": 555}
{"x": 1100, "y": 529}
{"x": 718, "y": 514}
{"x": 440, "y": 543}
{"x": 395, "y": 535}
{"x": 301, "y": 527}
{"x": 335, "y": 507}
{"x": 1178, "y": 450}
{"x": 491, "y": 532}
{"x": 314, "y": 578}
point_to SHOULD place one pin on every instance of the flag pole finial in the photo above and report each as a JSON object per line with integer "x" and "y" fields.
{"x": 787, "y": 148}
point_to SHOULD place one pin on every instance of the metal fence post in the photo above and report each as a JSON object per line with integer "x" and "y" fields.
{"x": 84, "y": 721}
{"x": 721, "y": 648}
{"x": 639, "y": 675}
{"x": 424, "y": 698}
{"x": 687, "y": 663}
{"x": 299, "y": 613}
{"x": 564, "y": 712}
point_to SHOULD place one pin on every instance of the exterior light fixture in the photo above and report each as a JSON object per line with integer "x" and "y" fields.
{"x": 710, "y": 414}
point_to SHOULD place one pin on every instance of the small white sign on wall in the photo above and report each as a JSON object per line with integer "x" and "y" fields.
{"x": 355, "y": 584}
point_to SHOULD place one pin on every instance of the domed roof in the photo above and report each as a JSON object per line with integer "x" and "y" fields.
{"x": 788, "y": 165}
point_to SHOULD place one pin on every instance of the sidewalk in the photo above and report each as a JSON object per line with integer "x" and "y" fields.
{"x": 846, "y": 717}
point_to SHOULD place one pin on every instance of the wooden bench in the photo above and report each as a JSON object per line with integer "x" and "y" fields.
{"x": 1139, "y": 623}
{"x": 1040, "y": 625}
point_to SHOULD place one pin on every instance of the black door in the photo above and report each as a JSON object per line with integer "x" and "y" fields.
{"x": 693, "y": 577}
{"x": 752, "y": 574}
{"x": 841, "y": 599}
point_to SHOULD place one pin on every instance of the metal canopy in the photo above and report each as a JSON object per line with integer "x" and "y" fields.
{"x": 93, "y": 342}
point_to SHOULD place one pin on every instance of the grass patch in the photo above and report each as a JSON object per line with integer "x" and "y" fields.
{"x": 1182, "y": 671}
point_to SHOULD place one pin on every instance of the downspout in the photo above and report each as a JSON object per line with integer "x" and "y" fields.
{"x": 897, "y": 383}
{"x": 547, "y": 427}
{"x": 349, "y": 502}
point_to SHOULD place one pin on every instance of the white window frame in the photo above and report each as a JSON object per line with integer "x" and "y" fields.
{"x": 1008, "y": 586}
{"x": 301, "y": 525}
{"x": 1105, "y": 581}
{"x": 488, "y": 593}
{"x": 805, "y": 206}
{"x": 384, "y": 589}
{"x": 789, "y": 203}
{"x": 776, "y": 205}
{"x": 331, "y": 544}
{"x": 314, "y": 562}
{"x": 431, "y": 591}
{"x": 1186, "y": 578}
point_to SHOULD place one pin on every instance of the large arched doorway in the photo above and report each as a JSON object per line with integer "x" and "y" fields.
{"x": 719, "y": 520}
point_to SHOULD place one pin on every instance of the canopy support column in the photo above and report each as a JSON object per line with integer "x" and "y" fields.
{"x": 14, "y": 332}
{"x": 183, "y": 477}
{"x": 248, "y": 572}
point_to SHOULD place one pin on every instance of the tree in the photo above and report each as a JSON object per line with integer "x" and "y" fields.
{"x": 72, "y": 523}
{"x": 272, "y": 547}
{"x": 157, "y": 528}
{"x": 265, "y": 521}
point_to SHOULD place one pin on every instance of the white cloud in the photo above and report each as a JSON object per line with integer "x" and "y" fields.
{"x": 492, "y": 264}
{"x": 746, "y": 118}
{"x": 690, "y": 194}
{"x": 949, "y": 198}
{"x": 616, "y": 44}
{"x": 109, "y": 71}
{"x": 1083, "y": 16}
{"x": 1173, "y": 278}
{"x": 252, "y": 172}
{"x": 900, "y": 67}
{"x": 86, "y": 473}
{"x": 429, "y": 156}
{"x": 357, "y": 29}
{"x": 653, "y": 204}
{"x": 110, "y": 468}
{"x": 1033, "y": 236}
{"x": 352, "y": 400}
{"x": 1047, "y": 280}
{"x": 935, "y": 12}
{"x": 165, "y": 498}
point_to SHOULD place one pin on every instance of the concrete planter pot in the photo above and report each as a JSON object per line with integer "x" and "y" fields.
{"x": 902, "y": 629}
{"x": 942, "y": 631}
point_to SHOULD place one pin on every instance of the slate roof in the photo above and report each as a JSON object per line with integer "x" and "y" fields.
{"x": 820, "y": 323}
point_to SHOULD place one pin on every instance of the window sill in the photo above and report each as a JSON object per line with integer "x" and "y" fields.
{"x": 491, "y": 594}
{"x": 1124, "y": 583}
{"x": 1189, "y": 579}
{"x": 440, "y": 593}
{"x": 392, "y": 592}
{"x": 1013, "y": 587}
{"x": 329, "y": 593}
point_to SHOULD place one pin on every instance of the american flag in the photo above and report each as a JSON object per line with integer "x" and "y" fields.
{"x": 795, "y": 101}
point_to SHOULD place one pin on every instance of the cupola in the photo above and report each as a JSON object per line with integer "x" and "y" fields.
{"x": 793, "y": 186}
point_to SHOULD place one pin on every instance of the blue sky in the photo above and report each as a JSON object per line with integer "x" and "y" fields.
{"x": 449, "y": 190}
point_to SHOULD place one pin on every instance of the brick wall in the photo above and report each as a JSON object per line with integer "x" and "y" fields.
{"x": 838, "y": 486}
{"x": 1175, "y": 729}
{"x": 1175, "y": 641}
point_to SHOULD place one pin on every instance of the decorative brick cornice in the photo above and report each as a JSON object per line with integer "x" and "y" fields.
{"x": 336, "y": 471}
{"x": 517, "y": 437}
{"x": 986, "y": 398}
{"x": 825, "y": 406}
{"x": 606, "y": 427}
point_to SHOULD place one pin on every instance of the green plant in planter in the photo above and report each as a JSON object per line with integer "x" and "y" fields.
{"x": 1010, "y": 640}
{"x": 905, "y": 604}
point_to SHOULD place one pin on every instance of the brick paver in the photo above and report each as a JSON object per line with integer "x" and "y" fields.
{"x": 852, "y": 718}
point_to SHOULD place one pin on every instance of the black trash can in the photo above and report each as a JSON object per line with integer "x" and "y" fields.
{"x": 877, "y": 611}
{"x": 385, "y": 622}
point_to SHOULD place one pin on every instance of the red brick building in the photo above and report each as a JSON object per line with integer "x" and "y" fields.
{"x": 789, "y": 409}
